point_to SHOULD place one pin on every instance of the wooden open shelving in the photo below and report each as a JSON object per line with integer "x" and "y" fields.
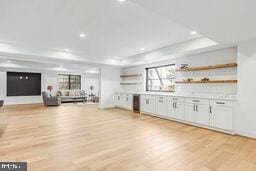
{"x": 204, "y": 82}
{"x": 130, "y": 83}
{"x": 131, "y": 75}
{"x": 229, "y": 65}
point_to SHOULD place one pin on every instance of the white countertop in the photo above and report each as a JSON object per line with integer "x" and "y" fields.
{"x": 228, "y": 97}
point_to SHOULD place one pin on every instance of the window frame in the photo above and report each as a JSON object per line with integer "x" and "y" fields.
{"x": 147, "y": 79}
{"x": 69, "y": 81}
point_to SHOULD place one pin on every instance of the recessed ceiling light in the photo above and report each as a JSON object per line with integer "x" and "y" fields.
{"x": 9, "y": 61}
{"x": 67, "y": 50}
{"x": 120, "y": 0}
{"x": 193, "y": 32}
{"x": 116, "y": 57}
{"x": 142, "y": 49}
{"x": 82, "y": 35}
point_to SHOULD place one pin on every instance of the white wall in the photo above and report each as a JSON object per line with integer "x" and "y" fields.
{"x": 109, "y": 83}
{"x": 246, "y": 116}
{"x": 92, "y": 80}
{"x": 48, "y": 78}
{"x": 228, "y": 55}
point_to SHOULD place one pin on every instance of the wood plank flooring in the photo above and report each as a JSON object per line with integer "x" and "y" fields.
{"x": 83, "y": 137}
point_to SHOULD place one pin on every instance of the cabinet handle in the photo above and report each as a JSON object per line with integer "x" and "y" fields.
{"x": 210, "y": 110}
{"x": 175, "y": 105}
{"x": 127, "y": 99}
{"x": 194, "y": 107}
{"x": 197, "y": 108}
{"x": 160, "y": 101}
{"x": 118, "y": 98}
{"x": 174, "y": 99}
{"x": 195, "y": 100}
{"x": 220, "y": 102}
{"x": 160, "y": 97}
{"x": 147, "y": 101}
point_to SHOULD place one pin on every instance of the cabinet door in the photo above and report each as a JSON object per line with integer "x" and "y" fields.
{"x": 190, "y": 114}
{"x": 170, "y": 109}
{"x": 203, "y": 114}
{"x": 148, "y": 105}
{"x": 122, "y": 100}
{"x": 221, "y": 117}
{"x": 161, "y": 107}
{"x": 117, "y": 100}
{"x": 128, "y": 102}
{"x": 179, "y": 110}
{"x": 143, "y": 105}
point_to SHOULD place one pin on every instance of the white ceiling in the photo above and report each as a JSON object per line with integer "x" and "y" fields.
{"x": 224, "y": 21}
{"x": 43, "y": 29}
{"x": 112, "y": 28}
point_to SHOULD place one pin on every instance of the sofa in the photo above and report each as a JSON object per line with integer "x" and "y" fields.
{"x": 72, "y": 95}
{"x": 48, "y": 100}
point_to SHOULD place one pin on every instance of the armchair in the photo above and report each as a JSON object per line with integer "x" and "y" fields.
{"x": 50, "y": 101}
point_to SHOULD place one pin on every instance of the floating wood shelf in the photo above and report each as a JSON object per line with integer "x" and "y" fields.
{"x": 229, "y": 65}
{"x": 204, "y": 82}
{"x": 130, "y": 83}
{"x": 131, "y": 75}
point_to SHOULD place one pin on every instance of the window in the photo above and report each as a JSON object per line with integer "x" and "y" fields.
{"x": 69, "y": 82}
{"x": 161, "y": 78}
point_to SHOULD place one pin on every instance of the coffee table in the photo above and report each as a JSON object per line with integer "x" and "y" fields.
{"x": 76, "y": 99}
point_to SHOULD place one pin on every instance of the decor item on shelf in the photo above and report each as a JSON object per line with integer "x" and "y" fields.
{"x": 135, "y": 83}
{"x": 190, "y": 79}
{"x": 1, "y": 103}
{"x": 210, "y": 81}
{"x": 205, "y": 79}
{"x": 183, "y": 66}
{"x": 199, "y": 68}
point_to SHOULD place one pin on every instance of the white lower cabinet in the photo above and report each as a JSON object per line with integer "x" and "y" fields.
{"x": 170, "y": 109}
{"x": 175, "y": 110}
{"x": 221, "y": 117}
{"x": 148, "y": 104}
{"x": 213, "y": 114}
{"x": 190, "y": 112}
{"x": 203, "y": 115}
{"x": 128, "y": 100}
{"x": 161, "y": 106}
{"x": 179, "y": 110}
{"x": 197, "y": 111}
{"x": 117, "y": 99}
{"x": 123, "y": 100}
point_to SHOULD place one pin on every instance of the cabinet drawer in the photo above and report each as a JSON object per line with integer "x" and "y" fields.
{"x": 175, "y": 99}
{"x": 145, "y": 96}
{"x": 221, "y": 103}
{"x": 160, "y": 98}
{"x": 197, "y": 101}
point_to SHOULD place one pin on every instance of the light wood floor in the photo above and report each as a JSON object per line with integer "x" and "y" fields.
{"x": 82, "y": 137}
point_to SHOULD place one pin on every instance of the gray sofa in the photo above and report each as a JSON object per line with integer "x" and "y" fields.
{"x": 50, "y": 101}
{"x": 72, "y": 95}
